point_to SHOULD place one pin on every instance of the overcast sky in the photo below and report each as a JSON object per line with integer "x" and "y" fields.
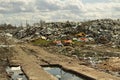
{"x": 17, "y": 11}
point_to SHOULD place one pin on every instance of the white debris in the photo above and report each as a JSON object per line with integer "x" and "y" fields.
{"x": 16, "y": 68}
{"x": 16, "y": 73}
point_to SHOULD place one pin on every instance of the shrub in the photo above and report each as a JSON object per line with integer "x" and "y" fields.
{"x": 42, "y": 42}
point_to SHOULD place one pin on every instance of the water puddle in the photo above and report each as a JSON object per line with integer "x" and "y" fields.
{"x": 62, "y": 74}
{"x": 16, "y": 73}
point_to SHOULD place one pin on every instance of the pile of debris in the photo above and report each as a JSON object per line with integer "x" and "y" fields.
{"x": 51, "y": 31}
{"x": 102, "y": 31}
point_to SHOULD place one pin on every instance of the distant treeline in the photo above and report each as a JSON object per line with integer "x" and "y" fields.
{"x": 6, "y": 26}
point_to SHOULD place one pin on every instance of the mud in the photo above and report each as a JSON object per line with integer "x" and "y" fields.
{"x": 4, "y": 55}
{"x": 99, "y": 57}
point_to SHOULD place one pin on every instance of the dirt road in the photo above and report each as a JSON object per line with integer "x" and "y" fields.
{"x": 31, "y": 57}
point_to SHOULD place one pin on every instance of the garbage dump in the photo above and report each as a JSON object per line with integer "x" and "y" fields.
{"x": 102, "y": 31}
{"x": 15, "y": 73}
{"x": 94, "y": 42}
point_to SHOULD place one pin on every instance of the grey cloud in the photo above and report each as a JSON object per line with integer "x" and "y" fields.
{"x": 116, "y": 8}
{"x": 71, "y": 7}
{"x": 14, "y": 7}
{"x": 43, "y": 5}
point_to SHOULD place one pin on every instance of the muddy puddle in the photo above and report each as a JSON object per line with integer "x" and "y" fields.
{"x": 62, "y": 74}
{"x": 15, "y": 73}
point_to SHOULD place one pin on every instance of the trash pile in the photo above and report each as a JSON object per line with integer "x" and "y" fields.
{"x": 104, "y": 31}
{"x": 50, "y": 31}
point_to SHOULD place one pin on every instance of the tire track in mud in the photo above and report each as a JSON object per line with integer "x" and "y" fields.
{"x": 34, "y": 53}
